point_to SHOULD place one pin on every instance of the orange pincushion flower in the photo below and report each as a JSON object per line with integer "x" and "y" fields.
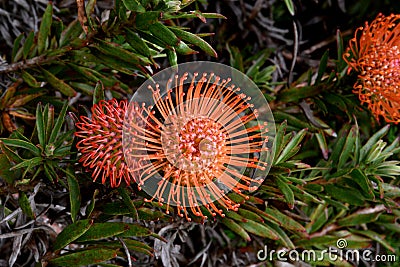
{"x": 101, "y": 142}
{"x": 193, "y": 146}
{"x": 375, "y": 54}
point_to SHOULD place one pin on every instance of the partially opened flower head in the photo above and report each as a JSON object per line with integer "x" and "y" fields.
{"x": 100, "y": 142}
{"x": 374, "y": 53}
{"x": 197, "y": 140}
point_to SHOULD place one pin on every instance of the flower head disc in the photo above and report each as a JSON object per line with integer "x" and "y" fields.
{"x": 101, "y": 142}
{"x": 197, "y": 136}
{"x": 375, "y": 55}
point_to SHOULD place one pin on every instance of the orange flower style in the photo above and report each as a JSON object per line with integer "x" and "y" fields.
{"x": 374, "y": 53}
{"x": 196, "y": 143}
{"x": 101, "y": 142}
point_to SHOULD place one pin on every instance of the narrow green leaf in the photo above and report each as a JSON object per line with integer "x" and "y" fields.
{"x": 137, "y": 43}
{"x": 374, "y": 236}
{"x": 133, "y": 5}
{"x": 285, "y": 189}
{"x": 164, "y": 34}
{"x": 259, "y": 229}
{"x": 195, "y": 40}
{"x": 102, "y": 230}
{"x": 236, "y": 228}
{"x": 135, "y": 230}
{"x": 71, "y": 233}
{"x": 290, "y": 6}
{"x": 90, "y": 207}
{"x": 293, "y": 144}
{"x": 172, "y": 57}
{"x": 123, "y": 191}
{"x": 286, "y": 221}
{"x": 345, "y": 194}
{"x": 145, "y": 19}
{"x": 28, "y": 44}
{"x": 72, "y": 31}
{"x": 358, "y": 219}
{"x": 74, "y": 193}
{"x": 250, "y": 215}
{"x": 372, "y": 141}
{"x": 25, "y": 205}
{"x": 40, "y": 128}
{"x": 347, "y": 147}
{"x": 29, "y": 79}
{"x": 98, "y": 94}
{"x": 84, "y": 257}
{"x": 28, "y": 163}
{"x": 59, "y": 122}
{"x": 16, "y": 46}
{"x": 322, "y": 67}
{"x": 44, "y": 30}
{"x": 22, "y": 144}
{"x": 362, "y": 180}
{"x": 58, "y": 84}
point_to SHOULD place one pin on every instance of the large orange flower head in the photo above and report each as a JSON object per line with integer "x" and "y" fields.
{"x": 374, "y": 53}
{"x": 100, "y": 142}
{"x": 198, "y": 137}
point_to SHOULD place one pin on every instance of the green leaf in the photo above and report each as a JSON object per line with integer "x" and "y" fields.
{"x": 22, "y": 144}
{"x": 137, "y": 43}
{"x": 164, "y": 34}
{"x": 322, "y": 67}
{"x": 294, "y": 94}
{"x": 71, "y": 233}
{"x": 236, "y": 228}
{"x": 290, "y": 6}
{"x": 84, "y": 257}
{"x": 362, "y": 180}
{"x": 285, "y": 189}
{"x": 72, "y": 31}
{"x": 372, "y": 141}
{"x": 58, "y": 84}
{"x": 135, "y": 230}
{"x": 133, "y": 5}
{"x": 259, "y": 229}
{"x": 292, "y": 147}
{"x": 30, "y": 163}
{"x": 44, "y": 30}
{"x": 25, "y": 205}
{"x": 195, "y": 40}
{"x": 123, "y": 191}
{"x": 357, "y": 219}
{"x": 59, "y": 122}
{"x": 16, "y": 46}
{"x": 29, "y": 79}
{"x": 347, "y": 147}
{"x": 74, "y": 193}
{"x": 374, "y": 236}
{"x": 344, "y": 194}
{"x": 40, "y": 128}
{"x": 286, "y": 221}
{"x": 172, "y": 57}
{"x": 103, "y": 230}
{"x": 28, "y": 44}
{"x": 90, "y": 207}
{"x": 98, "y": 94}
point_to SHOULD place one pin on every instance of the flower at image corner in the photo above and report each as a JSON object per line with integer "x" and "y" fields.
{"x": 374, "y": 53}
{"x": 193, "y": 142}
{"x": 100, "y": 142}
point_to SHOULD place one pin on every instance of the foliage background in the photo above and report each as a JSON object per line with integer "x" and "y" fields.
{"x": 336, "y": 171}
